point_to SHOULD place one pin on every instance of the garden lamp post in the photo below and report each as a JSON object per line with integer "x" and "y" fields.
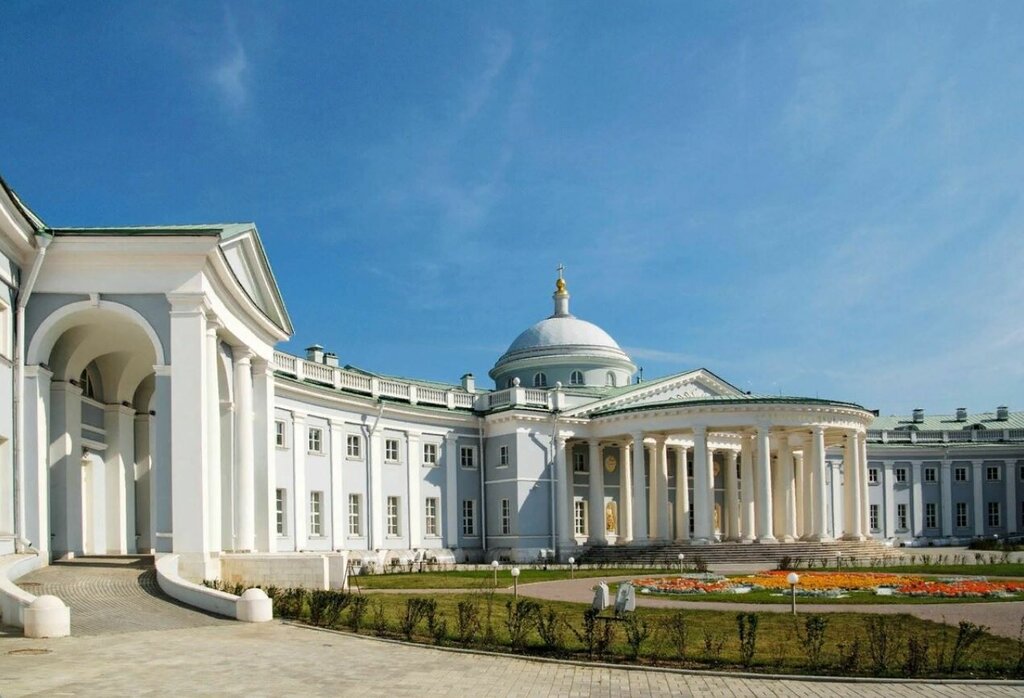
{"x": 793, "y": 578}
{"x": 839, "y": 560}
{"x": 515, "y": 583}
{"x": 572, "y": 568}
{"x": 494, "y": 566}
{"x": 681, "y": 557}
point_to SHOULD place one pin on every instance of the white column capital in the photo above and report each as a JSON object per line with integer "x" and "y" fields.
{"x": 242, "y": 355}
{"x": 299, "y": 417}
{"x": 188, "y": 303}
{"x": 700, "y": 430}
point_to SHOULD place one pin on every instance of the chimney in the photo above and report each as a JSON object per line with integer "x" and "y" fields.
{"x": 315, "y": 354}
{"x": 961, "y": 414}
{"x": 1002, "y": 413}
{"x": 331, "y": 359}
{"x": 469, "y": 383}
{"x": 918, "y": 415}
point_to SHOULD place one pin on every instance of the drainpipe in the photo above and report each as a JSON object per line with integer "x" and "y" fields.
{"x": 554, "y": 484}
{"x": 24, "y": 293}
{"x": 369, "y": 474}
{"x": 483, "y": 489}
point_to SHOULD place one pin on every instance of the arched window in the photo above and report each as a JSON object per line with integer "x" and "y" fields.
{"x": 609, "y": 379}
{"x": 88, "y": 389}
{"x": 540, "y": 380}
{"x": 510, "y": 382}
{"x": 576, "y": 378}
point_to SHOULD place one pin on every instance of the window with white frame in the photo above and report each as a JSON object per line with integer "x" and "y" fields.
{"x": 503, "y": 456}
{"x": 961, "y": 514}
{"x": 354, "y": 446}
{"x": 430, "y": 516}
{"x": 315, "y": 518}
{"x": 279, "y": 432}
{"x": 280, "y": 500}
{"x": 393, "y": 523}
{"x": 901, "y": 517}
{"x": 930, "y": 475}
{"x": 430, "y": 454}
{"x": 992, "y": 473}
{"x": 609, "y": 379}
{"x": 540, "y": 380}
{"x": 506, "y": 517}
{"x": 390, "y": 450}
{"x": 355, "y": 515}
{"x": 88, "y": 387}
{"x": 576, "y": 378}
{"x": 960, "y": 474}
{"x": 316, "y": 440}
{"x": 580, "y": 517}
{"x": 993, "y": 515}
{"x": 901, "y": 474}
{"x": 468, "y": 517}
{"x": 873, "y": 476}
{"x": 579, "y": 462}
{"x": 467, "y": 457}
{"x": 930, "y": 518}
{"x": 873, "y": 516}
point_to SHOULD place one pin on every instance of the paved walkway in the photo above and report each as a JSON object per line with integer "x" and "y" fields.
{"x": 236, "y": 659}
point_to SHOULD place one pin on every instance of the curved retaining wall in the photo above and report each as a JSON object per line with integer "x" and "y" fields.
{"x": 43, "y": 616}
{"x": 253, "y": 606}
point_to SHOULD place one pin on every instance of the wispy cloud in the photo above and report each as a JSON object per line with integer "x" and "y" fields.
{"x": 230, "y": 76}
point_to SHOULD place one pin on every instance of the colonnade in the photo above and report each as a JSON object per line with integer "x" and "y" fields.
{"x": 773, "y": 484}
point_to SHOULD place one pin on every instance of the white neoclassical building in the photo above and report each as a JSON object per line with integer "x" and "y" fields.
{"x": 143, "y": 407}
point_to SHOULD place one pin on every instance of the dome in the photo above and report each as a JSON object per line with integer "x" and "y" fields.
{"x": 562, "y": 331}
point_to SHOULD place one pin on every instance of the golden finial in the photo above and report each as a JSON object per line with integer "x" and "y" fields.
{"x": 560, "y": 284}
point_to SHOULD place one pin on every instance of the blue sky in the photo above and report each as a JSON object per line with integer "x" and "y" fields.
{"x": 815, "y": 198}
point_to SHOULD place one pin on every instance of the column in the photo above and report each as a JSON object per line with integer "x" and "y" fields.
{"x": 300, "y": 519}
{"x": 66, "y": 495}
{"x": 1010, "y": 472}
{"x": 799, "y": 479}
{"x": 338, "y": 506}
{"x": 820, "y": 486}
{"x": 862, "y": 481}
{"x": 747, "y": 488}
{"x": 375, "y": 488}
{"x": 33, "y": 507}
{"x": 711, "y": 492}
{"x": 625, "y": 495}
{"x": 764, "y": 487}
{"x": 595, "y": 494}
{"x": 775, "y": 472}
{"x": 264, "y": 451}
{"x": 662, "y": 501}
{"x": 451, "y": 490}
{"x": 702, "y": 512}
{"x": 212, "y": 424}
{"x": 682, "y": 496}
{"x": 245, "y": 471}
{"x": 946, "y": 491}
{"x": 979, "y": 506}
{"x": 562, "y": 509}
{"x": 413, "y": 461}
{"x": 916, "y": 499}
{"x": 850, "y": 486}
{"x": 160, "y": 484}
{"x": 143, "y": 486}
{"x": 731, "y": 503}
{"x": 889, "y": 523}
{"x": 190, "y": 512}
{"x": 859, "y": 475}
{"x": 639, "y": 490}
{"x": 786, "y": 498}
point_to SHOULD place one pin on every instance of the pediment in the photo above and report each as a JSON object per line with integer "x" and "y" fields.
{"x": 694, "y": 385}
{"x": 247, "y": 260}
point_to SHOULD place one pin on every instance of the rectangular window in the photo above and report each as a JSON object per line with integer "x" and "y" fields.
{"x": 689, "y": 469}
{"x": 390, "y": 450}
{"x": 468, "y": 517}
{"x": 929, "y": 475}
{"x": 506, "y": 518}
{"x": 279, "y": 507}
{"x": 992, "y": 473}
{"x": 315, "y": 519}
{"x": 430, "y": 516}
{"x": 960, "y": 474}
{"x": 354, "y": 446}
{"x": 993, "y": 514}
{"x": 1021, "y": 472}
{"x": 873, "y": 476}
{"x": 503, "y": 456}
{"x": 393, "y": 522}
{"x": 873, "y": 516}
{"x": 579, "y": 462}
{"x": 901, "y": 474}
{"x": 580, "y": 517}
{"x": 930, "y": 519}
{"x": 901, "y": 517}
{"x": 467, "y": 456}
{"x": 355, "y": 506}
{"x": 430, "y": 454}
{"x": 316, "y": 440}
{"x": 961, "y": 514}
{"x": 279, "y": 434}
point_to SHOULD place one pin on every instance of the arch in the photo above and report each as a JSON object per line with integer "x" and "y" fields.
{"x": 64, "y": 318}
{"x": 609, "y": 379}
{"x": 576, "y": 378}
{"x": 540, "y": 380}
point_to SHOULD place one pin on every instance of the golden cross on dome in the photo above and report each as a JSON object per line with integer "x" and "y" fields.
{"x": 560, "y": 268}
{"x": 560, "y": 284}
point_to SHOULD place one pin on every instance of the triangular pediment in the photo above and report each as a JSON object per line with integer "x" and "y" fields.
{"x": 693, "y": 385}
{"x": 244, "y": 254}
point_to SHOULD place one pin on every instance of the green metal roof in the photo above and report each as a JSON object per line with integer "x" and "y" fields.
{"x": 946, "y": 422}
{"x": 223, "y": 230}
{"x": 729, "y": 399}
{"x": 415, "y": 381}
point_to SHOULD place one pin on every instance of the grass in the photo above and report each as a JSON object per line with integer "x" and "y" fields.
{"x": 477, "y": 579}
{"x": 853, "y": 598}
{"x": 783, "y": 644}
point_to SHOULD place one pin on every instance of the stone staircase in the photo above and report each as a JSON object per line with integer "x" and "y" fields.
{"x": 667, "y": 554}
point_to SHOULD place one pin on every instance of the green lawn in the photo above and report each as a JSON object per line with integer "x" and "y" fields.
{"x": 481, "y": 579}
{"x": 855, "y": 598}
{"x": 849, "y": 644}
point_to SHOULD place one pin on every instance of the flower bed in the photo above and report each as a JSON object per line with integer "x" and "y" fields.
{"x": 704, "y": 584}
